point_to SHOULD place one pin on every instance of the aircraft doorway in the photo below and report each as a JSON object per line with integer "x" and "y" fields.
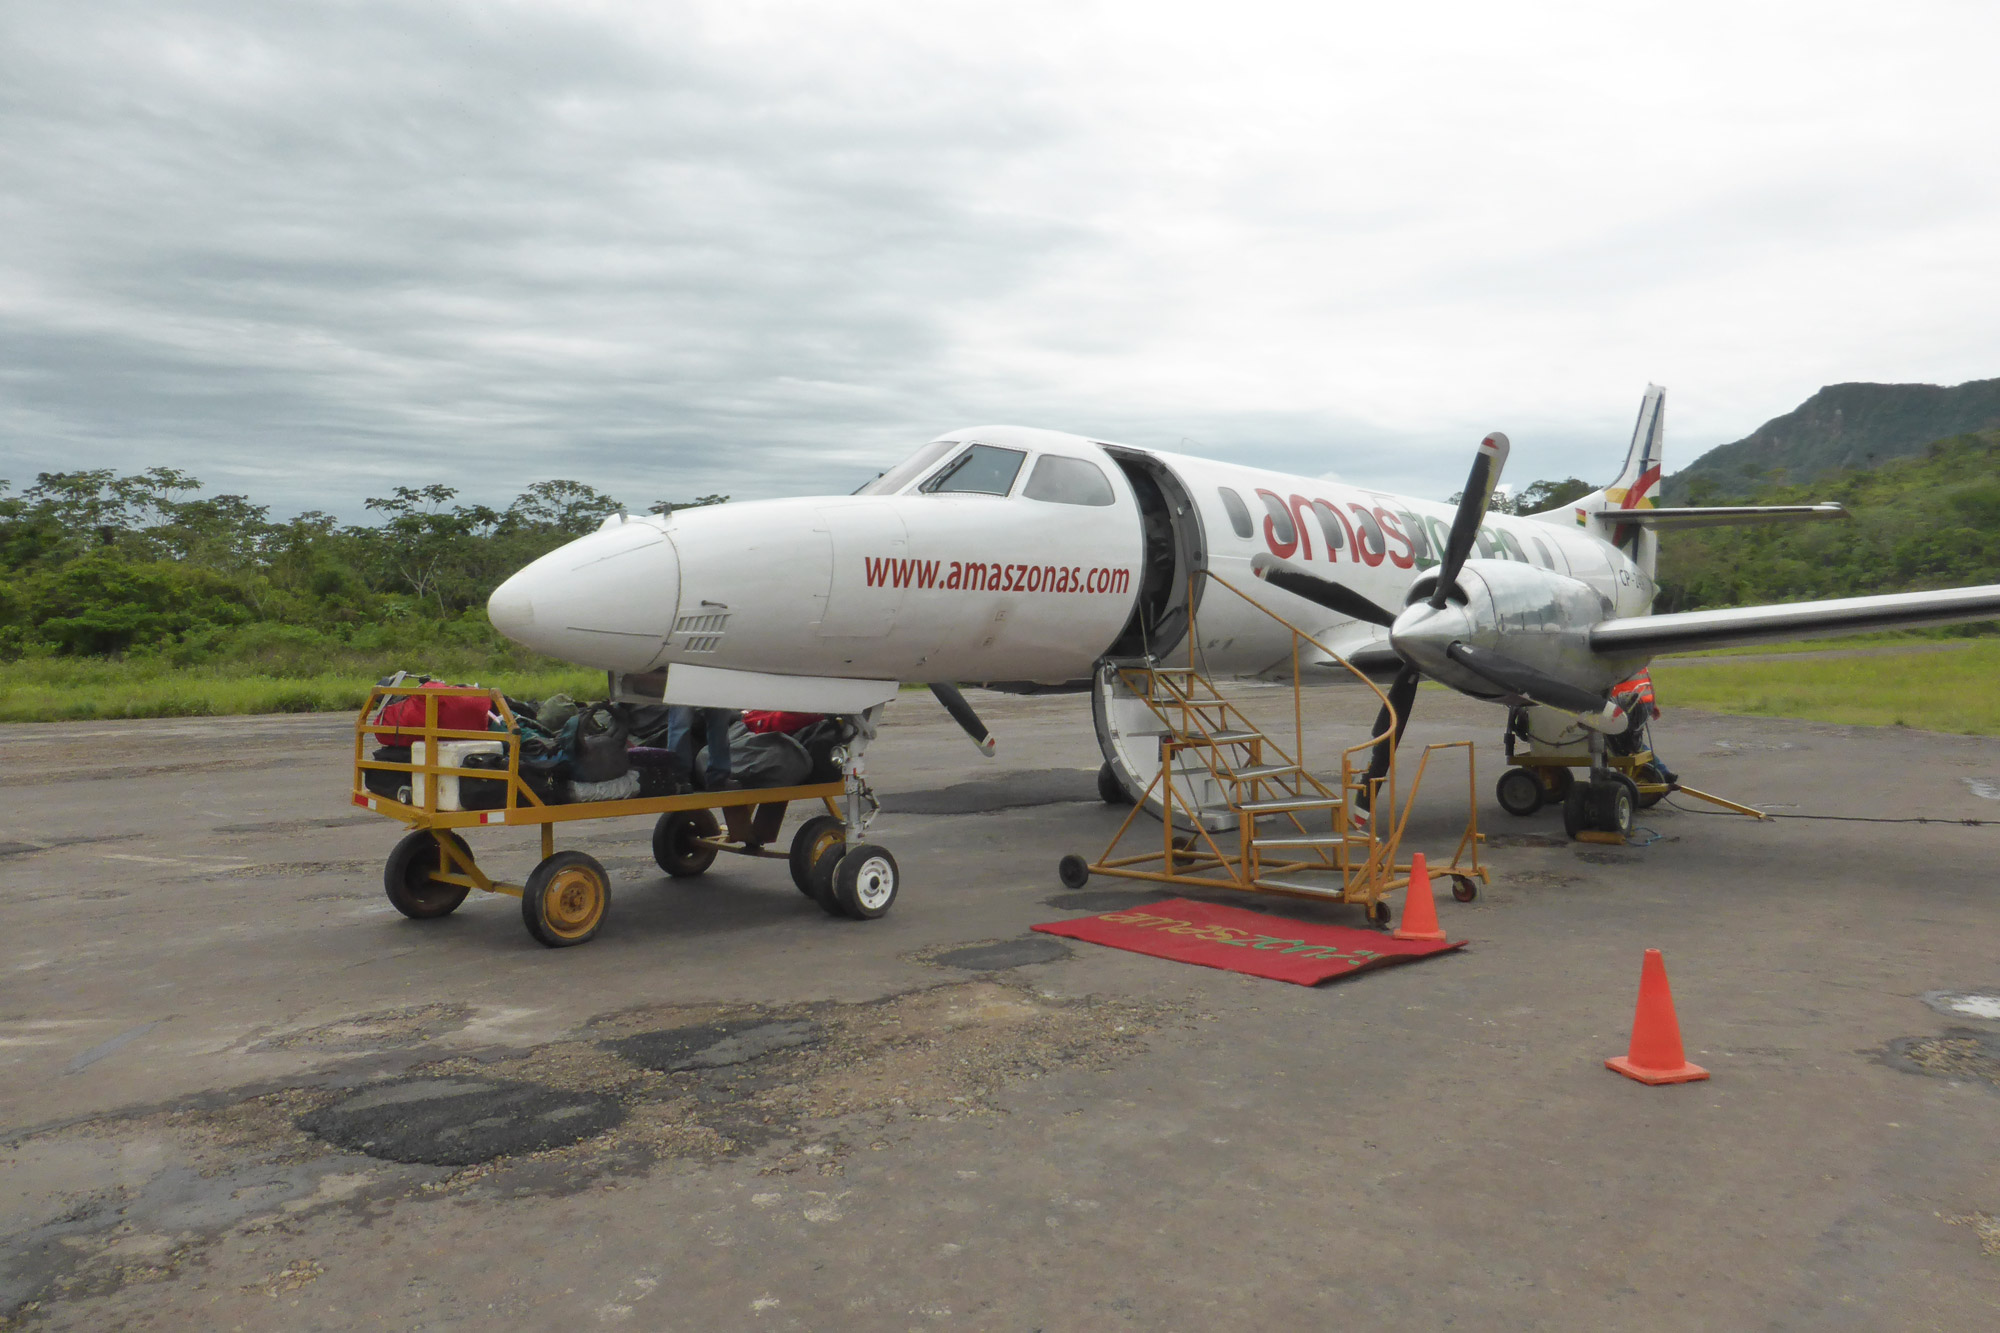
{"x": 1174, "y": 552}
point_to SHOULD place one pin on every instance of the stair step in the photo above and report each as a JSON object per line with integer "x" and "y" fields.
{"x": 1290, "y": 803}
{"x": 1261, "y": 771}
{"x": 1296, "y": 886}
{"x": 1310, "y": 840}
{"x": 1222, "y": 738}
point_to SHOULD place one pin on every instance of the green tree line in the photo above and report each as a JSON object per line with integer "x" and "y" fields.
{"x": 97, "y": 564}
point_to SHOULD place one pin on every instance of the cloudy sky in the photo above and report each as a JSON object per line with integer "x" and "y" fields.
{"x": 309, "y": 251}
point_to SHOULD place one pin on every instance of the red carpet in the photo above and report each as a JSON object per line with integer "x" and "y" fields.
{"x": 1239, "y": 941}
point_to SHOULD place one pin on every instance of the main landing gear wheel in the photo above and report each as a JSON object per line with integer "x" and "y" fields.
{"x": 1520, "y": 792}
{"x": 1617, "y": 803}
{"x": 1577, "y": 808}
{"x": 813, "y": 838}
{"x": 1464, "y": 888}
{"x": 677, "y": 842}
{"x": 1109, "y": 789}
{"x": 864, "y": 883}
{"x": 1074, "y": 872}
{"x": 406, "y": 876}
{"x": 565, "y": 899}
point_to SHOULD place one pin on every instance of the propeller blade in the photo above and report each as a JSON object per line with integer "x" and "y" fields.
{"x": 1322, "y": 592}
{"x": 1486, "y": 466}
{"x": 1592, "y": 709}
{"x": 1402, "y": 694}
{"x": 961, "y": 713}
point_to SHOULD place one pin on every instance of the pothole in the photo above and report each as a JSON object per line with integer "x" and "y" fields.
{"x": 1959, "y": 1054}
{"x": 997, "y": 956}
{"x": 460, "y": 1122}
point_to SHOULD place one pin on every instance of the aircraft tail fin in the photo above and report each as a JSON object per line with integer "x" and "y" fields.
{"x": 1635, "y": 487}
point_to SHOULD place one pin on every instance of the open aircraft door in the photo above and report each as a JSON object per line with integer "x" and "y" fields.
{"x": 1128, "y": 732}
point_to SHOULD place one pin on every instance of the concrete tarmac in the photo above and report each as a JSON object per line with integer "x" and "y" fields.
{"x": 239, "y": 1091}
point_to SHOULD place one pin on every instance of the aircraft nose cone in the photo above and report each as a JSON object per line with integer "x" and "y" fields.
{"x": 511, "y": 608}
{"x": 606, "y": 600}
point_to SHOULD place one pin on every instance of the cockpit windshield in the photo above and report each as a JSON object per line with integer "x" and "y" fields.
{"x": 907, "y": 471}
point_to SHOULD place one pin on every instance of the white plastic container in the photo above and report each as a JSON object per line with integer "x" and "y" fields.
{"x": 451, "y": 754}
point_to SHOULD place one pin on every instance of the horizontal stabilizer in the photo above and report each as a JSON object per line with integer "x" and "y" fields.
{"x": 1718, "y": 516}
{"x": 1686, "y": 630}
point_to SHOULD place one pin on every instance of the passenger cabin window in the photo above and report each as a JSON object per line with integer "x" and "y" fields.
{"x": 1281, "y": 520}
{"x": 907, "y": 471}
{"x": 1329, "y": 525}
{"x": 1068, "y": 481}
{"x": 980, "y": 470}
{"x": 1541, "y": 549}
{"x": 1239, "y": 513}
{"x": 1369, "y": 533}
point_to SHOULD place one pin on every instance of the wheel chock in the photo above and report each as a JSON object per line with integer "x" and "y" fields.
{"x": 1608, "y": 839}
{"x": 1420, "y": 913}
{"x": 1656, "y": 1056}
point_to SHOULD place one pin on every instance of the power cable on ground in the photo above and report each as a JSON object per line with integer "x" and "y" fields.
{"x": 1843, "y": 819}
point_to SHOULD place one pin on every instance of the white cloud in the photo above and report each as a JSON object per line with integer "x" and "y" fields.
{"x": 765, "y": 248}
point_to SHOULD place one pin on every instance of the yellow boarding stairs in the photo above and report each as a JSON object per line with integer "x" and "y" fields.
{"x": 1241, "y": 811}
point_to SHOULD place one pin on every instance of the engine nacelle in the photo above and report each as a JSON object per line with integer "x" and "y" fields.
{"x": 1532, "y": 615}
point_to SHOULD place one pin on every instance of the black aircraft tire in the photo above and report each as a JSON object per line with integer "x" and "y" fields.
{"x": 1109, "y": 789}
{"x": 1577, "y": 808}
{"x": 1617, "y": 803}
{"x": 406, "y": 877}
{"x": 865, "y": 882}
{"x": 820, "y": 881}
{"x": 676, "y": 845}
{"x": 1519, "y": 791}
{"x": 814, "y": 837}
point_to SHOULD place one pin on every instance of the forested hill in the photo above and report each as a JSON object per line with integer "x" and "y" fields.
{"x": 1927, "y": 522}
{"x": 1842, "y": 427}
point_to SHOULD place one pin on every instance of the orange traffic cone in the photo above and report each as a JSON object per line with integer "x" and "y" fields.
{"x": 1656, "y": 1055}
{"x": 1420, "y": 914}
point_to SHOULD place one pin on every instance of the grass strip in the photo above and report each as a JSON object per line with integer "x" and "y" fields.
{"x": 1932, "y": 691}
{"x": 81, "y": 690}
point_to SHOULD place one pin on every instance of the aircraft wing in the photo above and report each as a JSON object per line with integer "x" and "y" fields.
{"x": 1685, "y": 630}
{"x": 1718, "y": 516}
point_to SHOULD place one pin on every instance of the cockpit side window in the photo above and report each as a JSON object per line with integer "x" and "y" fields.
{"x": 907, "y": 471}
{"x": 982, "y": 469}
{"x": 1239, "y": 513}
{"x": 1068, "y": 481}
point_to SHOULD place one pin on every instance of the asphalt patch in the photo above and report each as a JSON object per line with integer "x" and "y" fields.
{"x": 460, "y": 1121}
{"x": 1004, "y": 955}
{"x": 1961, "y": 1054}
{"x": 714, "y": 1045}
{"x": 1007, "y": 791}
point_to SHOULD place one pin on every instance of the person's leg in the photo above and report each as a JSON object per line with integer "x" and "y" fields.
{"x": 680, "y": 740}
{"x": 717, "y": 721}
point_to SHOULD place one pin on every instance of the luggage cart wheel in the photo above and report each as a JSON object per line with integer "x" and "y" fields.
{"x": 407, "y": 877}
{"x": 1378, "y": 914}
{"x": 1074, "y": 872}
{"x": 1463, "y": 888}
{"x": 865, "y": 881}
{"x": 809, "y": 843}
{"x": 1520, "y": 792}
{"x": 565, "y": 899}
{"x": 677, "y": 842}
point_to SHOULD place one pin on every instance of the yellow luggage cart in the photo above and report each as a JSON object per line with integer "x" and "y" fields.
{"x": 566, "y": 895}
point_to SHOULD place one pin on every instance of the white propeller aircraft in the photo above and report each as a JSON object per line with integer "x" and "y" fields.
{"x": 1024, "y": 556}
